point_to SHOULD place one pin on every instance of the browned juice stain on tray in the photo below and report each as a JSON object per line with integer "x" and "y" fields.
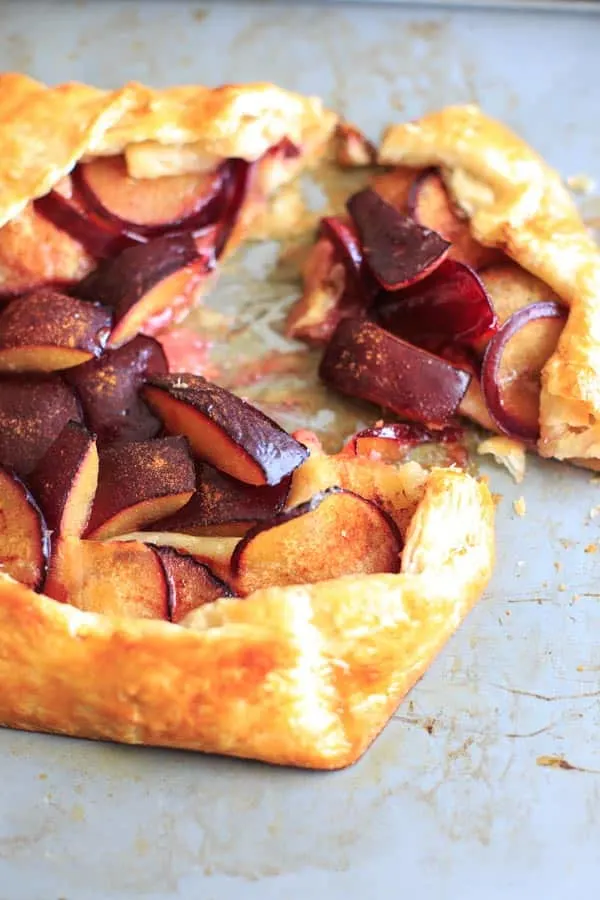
{"x": 559, "y": 762}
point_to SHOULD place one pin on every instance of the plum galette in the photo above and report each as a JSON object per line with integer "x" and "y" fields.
{"x": 177, "y": 569}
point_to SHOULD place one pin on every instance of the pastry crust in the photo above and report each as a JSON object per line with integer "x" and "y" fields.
{"x": 517, "y": 203}
{"x": 45, "y": 131}
{"x": 303, "y": 676}
{"x": 33, "y": 250}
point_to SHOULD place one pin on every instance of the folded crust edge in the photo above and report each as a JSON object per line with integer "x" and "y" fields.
{"x": 304, "y": 676}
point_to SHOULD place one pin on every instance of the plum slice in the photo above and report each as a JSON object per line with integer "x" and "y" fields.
{"x": 395, "y": 187}
{"x": 396, "y": 490}
{"x": 398, "y": 250}
{"x": 45, "y": 331}
{"x": 140, "y": 482}
{"x": 344, "y": 237}
{"x": 365, "y": 361}
{"x": 147, "y": 280}
{"x": 333, "y": 534}
{"x": 512, "y": 365}
{"x": 224, "y": 506}
{"x": 192, "y": 583}
{"x": 108, "y": 389}
{"x": 24, "y": 537}
{"x": 214, "y": 552}
{"x": 115, "y": 578}
{"x": 430, "y": 205}
{"x": 391, "y": 441}
{"x": 451, "y": 304}
{"x": 34, "y": 409}
{"x": 223, "y": 429}
{"x": 65, "y": 479}
{"x": 316, "y": 314}
{"x": 337, "y": 283}
{"x": 239, "y": 181}
{"x": 149, "y": 205}
{"x": 511, "y": 288}
{"x": 360, "y": 287}
{"x": 65, "y": 209}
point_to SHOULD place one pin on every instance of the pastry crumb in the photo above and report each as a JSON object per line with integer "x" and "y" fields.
{"x": 519, "y": 506}
{"x": 562, "y": 587}
{"x": 594, "y": 512}
{"x": 581, "y": 183}
{"x": 557, "y": 566}
{"x": 506, "y": 452}
{"x": 591, "y": 548}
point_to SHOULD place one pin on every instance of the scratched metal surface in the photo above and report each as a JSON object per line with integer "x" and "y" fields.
{"x": 453, "y": 800}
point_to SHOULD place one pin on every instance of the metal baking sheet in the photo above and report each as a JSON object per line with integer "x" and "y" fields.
{"x": 486, "y": 783}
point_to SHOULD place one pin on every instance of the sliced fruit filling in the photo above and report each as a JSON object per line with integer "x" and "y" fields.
{"x": 107, "y": 440}
{"x": 232, "y": 503}
{"x": 139, "y": 489}
{"x": 136, "y": 202}
{"x": 103, "y": 207}
{"x": 419, "y": 318}
{"x": 99, "y": 442}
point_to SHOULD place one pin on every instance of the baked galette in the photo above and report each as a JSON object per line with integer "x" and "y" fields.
{"x": 177, "y": 569}
{"x": 463, "y": 281}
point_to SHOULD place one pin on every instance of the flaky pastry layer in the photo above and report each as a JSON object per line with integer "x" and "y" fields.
{"x": 45, "y": 131}
{"x": 516, "y": 202}
{"x": 305, "y": 675}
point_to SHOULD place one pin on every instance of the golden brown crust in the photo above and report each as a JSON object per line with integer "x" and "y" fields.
{"x": 228, "y": 121}
{"x": 302, "y": 676}
{"x": 45, "y": 131}
{"x": 397, "y": 490}
{"x": 33, "y": 250}
{"x": 517, "y": 203}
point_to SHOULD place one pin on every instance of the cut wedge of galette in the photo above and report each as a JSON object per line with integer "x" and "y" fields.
{"x": 176, "y": 569}
{"x": 462, "y": 281}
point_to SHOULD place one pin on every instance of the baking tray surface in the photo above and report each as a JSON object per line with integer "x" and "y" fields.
{"x": 486, "y": 783}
